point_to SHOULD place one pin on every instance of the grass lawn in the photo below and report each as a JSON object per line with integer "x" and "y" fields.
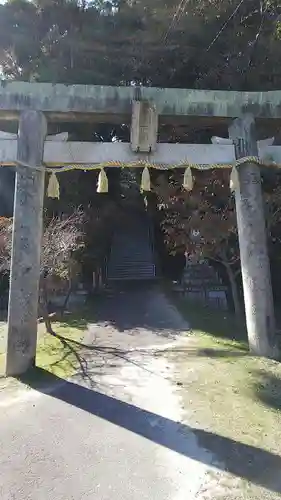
{"x": 58, "y": 356}
{"x": 235, "y": 396}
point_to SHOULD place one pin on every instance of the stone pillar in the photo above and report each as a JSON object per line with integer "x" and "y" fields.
{"x": 26, "y": 248}
{"x": 253, "y": 243}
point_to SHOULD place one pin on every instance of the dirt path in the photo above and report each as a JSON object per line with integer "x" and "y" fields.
{"x": 146, "y": 417}
{"x": 170, "y": 381}
{"x": 117, "y": 432}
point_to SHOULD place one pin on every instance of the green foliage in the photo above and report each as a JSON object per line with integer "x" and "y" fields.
{"x": 211, "y": 43}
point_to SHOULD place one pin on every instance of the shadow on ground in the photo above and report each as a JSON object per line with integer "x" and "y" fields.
{"x": 131, "y": 307}
{"x": 78, "y": 320}
{"x": 82, "y": 351}
{"x": 135, "y": 307}
{"x": 244, "y": 461}
{"x": 217, "y": 323}
{"x": 268, "y": 389}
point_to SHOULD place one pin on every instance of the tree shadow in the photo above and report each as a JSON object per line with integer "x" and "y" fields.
{"x": 244, "y": 461}
{"x": 132, "y": 307}
{"x": 219, "y": 353}
{"x": 192, "y": 352}
{"x": 78, "y": 319}
{"x": 106, "y": 353}
{"x": 83, "y": 352}
{"x": 124, "y": 354}
{"x": 268, "y": 389}
{"x": 217, "y": 323}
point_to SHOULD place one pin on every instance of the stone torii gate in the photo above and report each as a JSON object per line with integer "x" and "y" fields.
{"x": 34, "y": 104}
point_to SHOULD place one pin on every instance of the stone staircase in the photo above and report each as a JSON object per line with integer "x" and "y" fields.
{"x": 132, "y": 255}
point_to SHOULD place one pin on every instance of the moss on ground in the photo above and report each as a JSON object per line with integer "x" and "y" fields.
{"x": 59, "y": 355}
{"x": 235, "y": 396}
{"x": 56, "y": 355}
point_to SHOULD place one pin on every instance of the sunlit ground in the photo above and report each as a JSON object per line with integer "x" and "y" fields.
{"x": 231, "y": 394}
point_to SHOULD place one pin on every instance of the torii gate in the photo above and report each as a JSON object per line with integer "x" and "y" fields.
{"x": 31, "y": 150}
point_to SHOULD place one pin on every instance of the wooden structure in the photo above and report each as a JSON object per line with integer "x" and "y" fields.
{"x": 34, "y": 105}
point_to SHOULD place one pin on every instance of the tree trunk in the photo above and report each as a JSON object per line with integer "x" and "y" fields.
{"x": 234, "y": 290}
{"x": 44, "y": 307}
{"x": 64, "y": 306}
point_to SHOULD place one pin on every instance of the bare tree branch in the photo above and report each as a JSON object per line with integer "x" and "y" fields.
{"x": 62, "y": 237}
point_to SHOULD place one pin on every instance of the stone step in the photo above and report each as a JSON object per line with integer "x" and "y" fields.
{"x": 131, "y": 267}
{"x": 132, "y": 270}
{"x": 131, "y": 277}
{"x": 131, "y": 258}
